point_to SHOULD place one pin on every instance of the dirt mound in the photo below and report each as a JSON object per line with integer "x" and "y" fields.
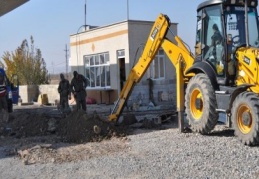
{"x": 27, "y": 124}
{"x": 79, "y": 127}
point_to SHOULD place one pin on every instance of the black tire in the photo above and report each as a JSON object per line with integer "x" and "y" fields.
{"x": 245, "y": 118}
{"x": 200, "y": 104}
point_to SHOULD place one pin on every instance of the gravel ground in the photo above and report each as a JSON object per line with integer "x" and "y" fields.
{"x": 146, "y": 153}
{"x": 149, "y": 154}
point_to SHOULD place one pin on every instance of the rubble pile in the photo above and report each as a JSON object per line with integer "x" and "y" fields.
{"x": 65, "y": 152}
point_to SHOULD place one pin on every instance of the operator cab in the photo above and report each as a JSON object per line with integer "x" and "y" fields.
{"x": 222, "y": 28}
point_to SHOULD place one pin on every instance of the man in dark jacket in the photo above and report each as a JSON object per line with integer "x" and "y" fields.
{"x": 64, "y": 91}
{"x": 216, "y": 38}
{"x": 78, "y": 85}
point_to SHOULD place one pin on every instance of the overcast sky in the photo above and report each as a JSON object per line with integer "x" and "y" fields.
{"x": 51, "y": 22}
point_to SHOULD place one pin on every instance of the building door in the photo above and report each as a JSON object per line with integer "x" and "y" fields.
{"x": 122, "y": 72}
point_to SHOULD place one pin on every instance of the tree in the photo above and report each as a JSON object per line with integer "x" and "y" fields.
{"x": 27, "y": 62}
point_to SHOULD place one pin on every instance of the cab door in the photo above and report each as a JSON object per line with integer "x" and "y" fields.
{"x": 214, "y": 41}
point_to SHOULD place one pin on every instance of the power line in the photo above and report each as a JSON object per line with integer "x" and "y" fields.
{"x": 61, "y": 63}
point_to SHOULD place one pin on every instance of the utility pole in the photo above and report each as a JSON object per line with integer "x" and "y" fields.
{"x": 52, "y": 67}
{"x": 127, "y": 9}
{"x": 85, "y": 14}
{"x": 66, "y": 51}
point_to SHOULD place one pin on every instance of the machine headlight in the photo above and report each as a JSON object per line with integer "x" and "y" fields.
{"x": 242, "y": 73}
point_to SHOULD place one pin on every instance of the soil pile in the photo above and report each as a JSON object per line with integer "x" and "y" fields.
{"x": 79, "y": 127}
{"x": 27, "y": 124}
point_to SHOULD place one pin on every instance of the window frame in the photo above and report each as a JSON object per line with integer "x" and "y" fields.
{"x": 97, "y": 70}
{"x": 156, "y": 69}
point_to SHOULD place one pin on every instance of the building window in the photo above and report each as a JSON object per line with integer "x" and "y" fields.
{"x": 157, "y": 68}
{"x": 97, "y": 69}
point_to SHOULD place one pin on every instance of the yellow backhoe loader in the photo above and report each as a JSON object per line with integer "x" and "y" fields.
{"x": 222, "y": 75}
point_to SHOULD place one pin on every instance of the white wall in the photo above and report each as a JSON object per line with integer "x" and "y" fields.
{"x": 105, "y": 39}
{"x": 30, "y": 93}
{"x": 128, "y": 36}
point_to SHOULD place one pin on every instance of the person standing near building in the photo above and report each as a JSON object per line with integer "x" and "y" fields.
{"x": 3, "y": 98}
{"x": 78, "y": 85}
{"x": 64, "y": 92}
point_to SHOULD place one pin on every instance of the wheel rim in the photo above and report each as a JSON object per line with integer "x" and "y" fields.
{"x": 196, "y": 112}
{"x": 244, "y": 119}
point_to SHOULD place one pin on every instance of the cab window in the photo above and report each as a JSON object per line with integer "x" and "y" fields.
{"x": 213, "y": 38}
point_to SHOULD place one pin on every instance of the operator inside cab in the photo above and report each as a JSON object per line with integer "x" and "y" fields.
{"x": 221, "y": 30}
{"x": 214, "y": 52}
{"x": 217, "y": 53}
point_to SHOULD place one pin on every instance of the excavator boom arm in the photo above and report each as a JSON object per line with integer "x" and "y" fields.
{"x": 153, "y": 43}
{"x": 178, "y": 55}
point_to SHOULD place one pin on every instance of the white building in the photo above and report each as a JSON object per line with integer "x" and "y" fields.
{"x": 102, "y": 53}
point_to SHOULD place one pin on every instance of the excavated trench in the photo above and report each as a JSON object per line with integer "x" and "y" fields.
{"x": 75, "y": 127}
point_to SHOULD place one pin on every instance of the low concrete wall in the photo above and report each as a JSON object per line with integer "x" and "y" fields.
{"x": 164, "y": 92}
{"x": 51, "y": 91}
{"x": 30, "y": 93}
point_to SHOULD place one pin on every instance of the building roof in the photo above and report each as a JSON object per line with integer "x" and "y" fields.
{"x": 92, "y": 28}
{"x": 9, "y": 5}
